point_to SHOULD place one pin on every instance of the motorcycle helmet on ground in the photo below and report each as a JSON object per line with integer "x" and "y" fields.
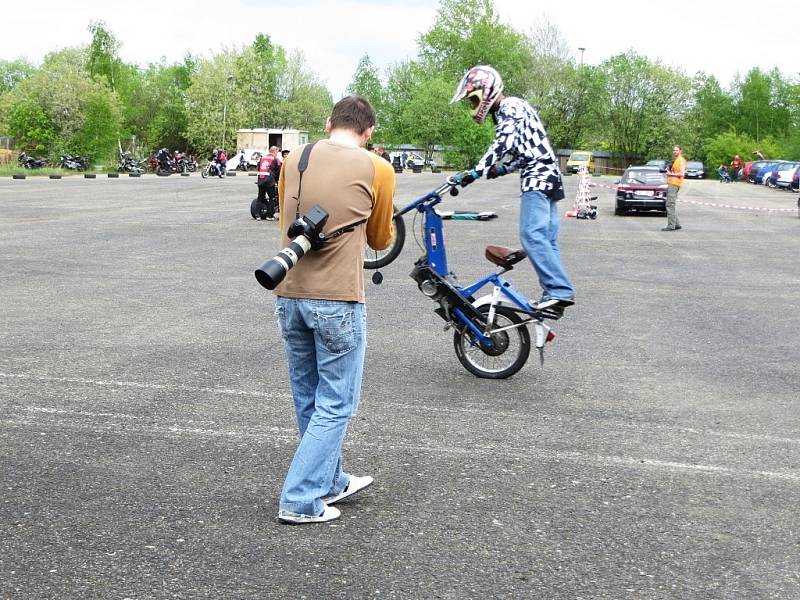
{"x": 481, "y": 86}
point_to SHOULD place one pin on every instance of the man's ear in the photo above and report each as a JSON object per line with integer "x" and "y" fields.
{"x": 367, "y": 133}
{"x": 328, "y": 125}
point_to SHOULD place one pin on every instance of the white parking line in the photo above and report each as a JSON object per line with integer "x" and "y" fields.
{"x": 146, "y": 385}
{"x": 32, "y": 417}
{"x": 371, "y": 443}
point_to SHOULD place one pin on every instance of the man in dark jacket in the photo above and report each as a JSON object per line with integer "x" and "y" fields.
{"x": 268, "y": 172}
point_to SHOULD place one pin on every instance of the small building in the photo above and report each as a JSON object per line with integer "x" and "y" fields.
{"x": 284, "y": 139}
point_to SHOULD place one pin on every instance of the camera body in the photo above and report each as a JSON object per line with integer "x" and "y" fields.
{"x": 310, "y": 226}
{"x": 306, "y": 234}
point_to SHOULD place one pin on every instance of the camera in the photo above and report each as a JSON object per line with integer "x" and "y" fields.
{"x": 306, "y": 234}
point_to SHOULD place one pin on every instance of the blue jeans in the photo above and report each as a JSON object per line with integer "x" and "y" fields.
{"x": 325, "y": 342}
{"x": 538, "y": 231}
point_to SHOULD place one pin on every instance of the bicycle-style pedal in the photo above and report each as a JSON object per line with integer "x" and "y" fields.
{"x": 551, "y": 312}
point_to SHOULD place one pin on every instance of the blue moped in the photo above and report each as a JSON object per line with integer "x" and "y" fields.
{"x": 491, "y": 337}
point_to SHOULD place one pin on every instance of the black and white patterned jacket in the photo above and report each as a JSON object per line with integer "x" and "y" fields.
{"x": 521, "y": 143}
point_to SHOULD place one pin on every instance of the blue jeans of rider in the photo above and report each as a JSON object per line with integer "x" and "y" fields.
{"x": 538, "y": 231}
{"x": 325, "y": 342}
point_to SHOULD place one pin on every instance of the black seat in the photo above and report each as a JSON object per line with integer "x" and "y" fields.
{"x": 504, "y": 257}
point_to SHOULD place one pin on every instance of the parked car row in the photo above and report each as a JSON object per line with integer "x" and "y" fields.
{"x": 694, "y": 168}
{"x": 783, "y": 174}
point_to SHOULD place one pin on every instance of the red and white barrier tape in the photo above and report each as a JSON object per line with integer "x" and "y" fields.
{"x": 756, "y": 208}
{"x": 603, "y": 185}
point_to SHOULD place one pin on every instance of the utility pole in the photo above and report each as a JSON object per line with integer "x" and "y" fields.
{"x": 225, "y": 109}
{"x": 582, "y": 51}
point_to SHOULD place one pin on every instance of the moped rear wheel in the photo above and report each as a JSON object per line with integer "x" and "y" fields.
{"x": 507, "y": 356}
{"x": 376, "y": 259}
{"x": 258, "y": 209}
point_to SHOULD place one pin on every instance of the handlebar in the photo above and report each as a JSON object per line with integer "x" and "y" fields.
{"x": 432, "y": 197}
{"x": 449, "y": 185}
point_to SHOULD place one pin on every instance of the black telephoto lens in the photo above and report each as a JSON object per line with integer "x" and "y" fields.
{"x": 271, "y": 273}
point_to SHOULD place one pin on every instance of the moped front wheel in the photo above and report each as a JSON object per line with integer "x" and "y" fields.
{"x": 376, "y": 259}
{"x": 509, "y": 350}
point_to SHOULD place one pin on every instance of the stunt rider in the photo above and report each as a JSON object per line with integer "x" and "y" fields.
{"x": 521, "y": 143}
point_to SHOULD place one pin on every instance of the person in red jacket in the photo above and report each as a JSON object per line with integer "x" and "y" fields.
{"x": 268, "y": 171}
{"x": 736, "y": 167}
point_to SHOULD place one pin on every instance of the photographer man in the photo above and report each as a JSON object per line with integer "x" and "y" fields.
{"x": 320, "y": 305}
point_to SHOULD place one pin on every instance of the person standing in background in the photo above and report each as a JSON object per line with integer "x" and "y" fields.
{"x": 736, "y": 168}
{"x": 675, "y": 175}
{"x": 268, "y": 173}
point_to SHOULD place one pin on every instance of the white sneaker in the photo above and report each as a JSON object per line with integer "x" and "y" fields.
{"x": 356, "y": 484}
{"x": 292, "y": 518}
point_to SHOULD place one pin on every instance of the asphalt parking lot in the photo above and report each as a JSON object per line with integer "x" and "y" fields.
{"x": 146, "y": 423}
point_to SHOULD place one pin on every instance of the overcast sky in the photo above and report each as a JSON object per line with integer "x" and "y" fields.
{"x": 718, "y": 38}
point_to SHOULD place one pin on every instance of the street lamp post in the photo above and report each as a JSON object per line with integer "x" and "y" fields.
{"x": 582, "y": 50}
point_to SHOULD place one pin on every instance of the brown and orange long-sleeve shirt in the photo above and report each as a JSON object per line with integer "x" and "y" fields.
{"x": 352, "y": 185}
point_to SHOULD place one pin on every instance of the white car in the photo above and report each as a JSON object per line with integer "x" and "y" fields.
{"x": 251, "y": 158}
{"x": 415, "y": 160}
{"x": 784, "y": 176}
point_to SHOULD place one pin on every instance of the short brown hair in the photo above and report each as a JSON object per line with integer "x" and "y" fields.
{"x": 354, "y": 113}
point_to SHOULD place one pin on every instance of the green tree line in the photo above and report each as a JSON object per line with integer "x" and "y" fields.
{"x": 87, "y": 101}
{"x": 629, "y": 105}
{"x": 83, "y": 100}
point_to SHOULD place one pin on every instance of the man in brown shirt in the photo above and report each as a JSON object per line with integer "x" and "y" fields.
{"x": 320, "y": 304}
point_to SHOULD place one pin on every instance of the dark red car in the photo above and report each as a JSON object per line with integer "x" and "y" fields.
{"x": 641, "y": 188}
{"x": 746, "y": 167}
{"x": 751, "y": 168}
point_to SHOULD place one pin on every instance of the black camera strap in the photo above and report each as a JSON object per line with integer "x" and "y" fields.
{"x": 302, "y": 166}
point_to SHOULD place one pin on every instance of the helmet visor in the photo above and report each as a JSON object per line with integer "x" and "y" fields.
{"x": 474, "y": 100}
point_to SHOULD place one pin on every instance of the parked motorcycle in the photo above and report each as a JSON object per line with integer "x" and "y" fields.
{"x": 128, "y": 164}
{"x": 184, "y": 163}
{"x": 28, "y": 162}
{"x": 73, "y": 163}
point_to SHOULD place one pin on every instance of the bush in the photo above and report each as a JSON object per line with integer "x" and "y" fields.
{"x": 721, "y": 149}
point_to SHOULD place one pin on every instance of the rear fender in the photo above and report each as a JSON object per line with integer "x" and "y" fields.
{"x": 541, "y": 330}
{"x": 487, "y": 299}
